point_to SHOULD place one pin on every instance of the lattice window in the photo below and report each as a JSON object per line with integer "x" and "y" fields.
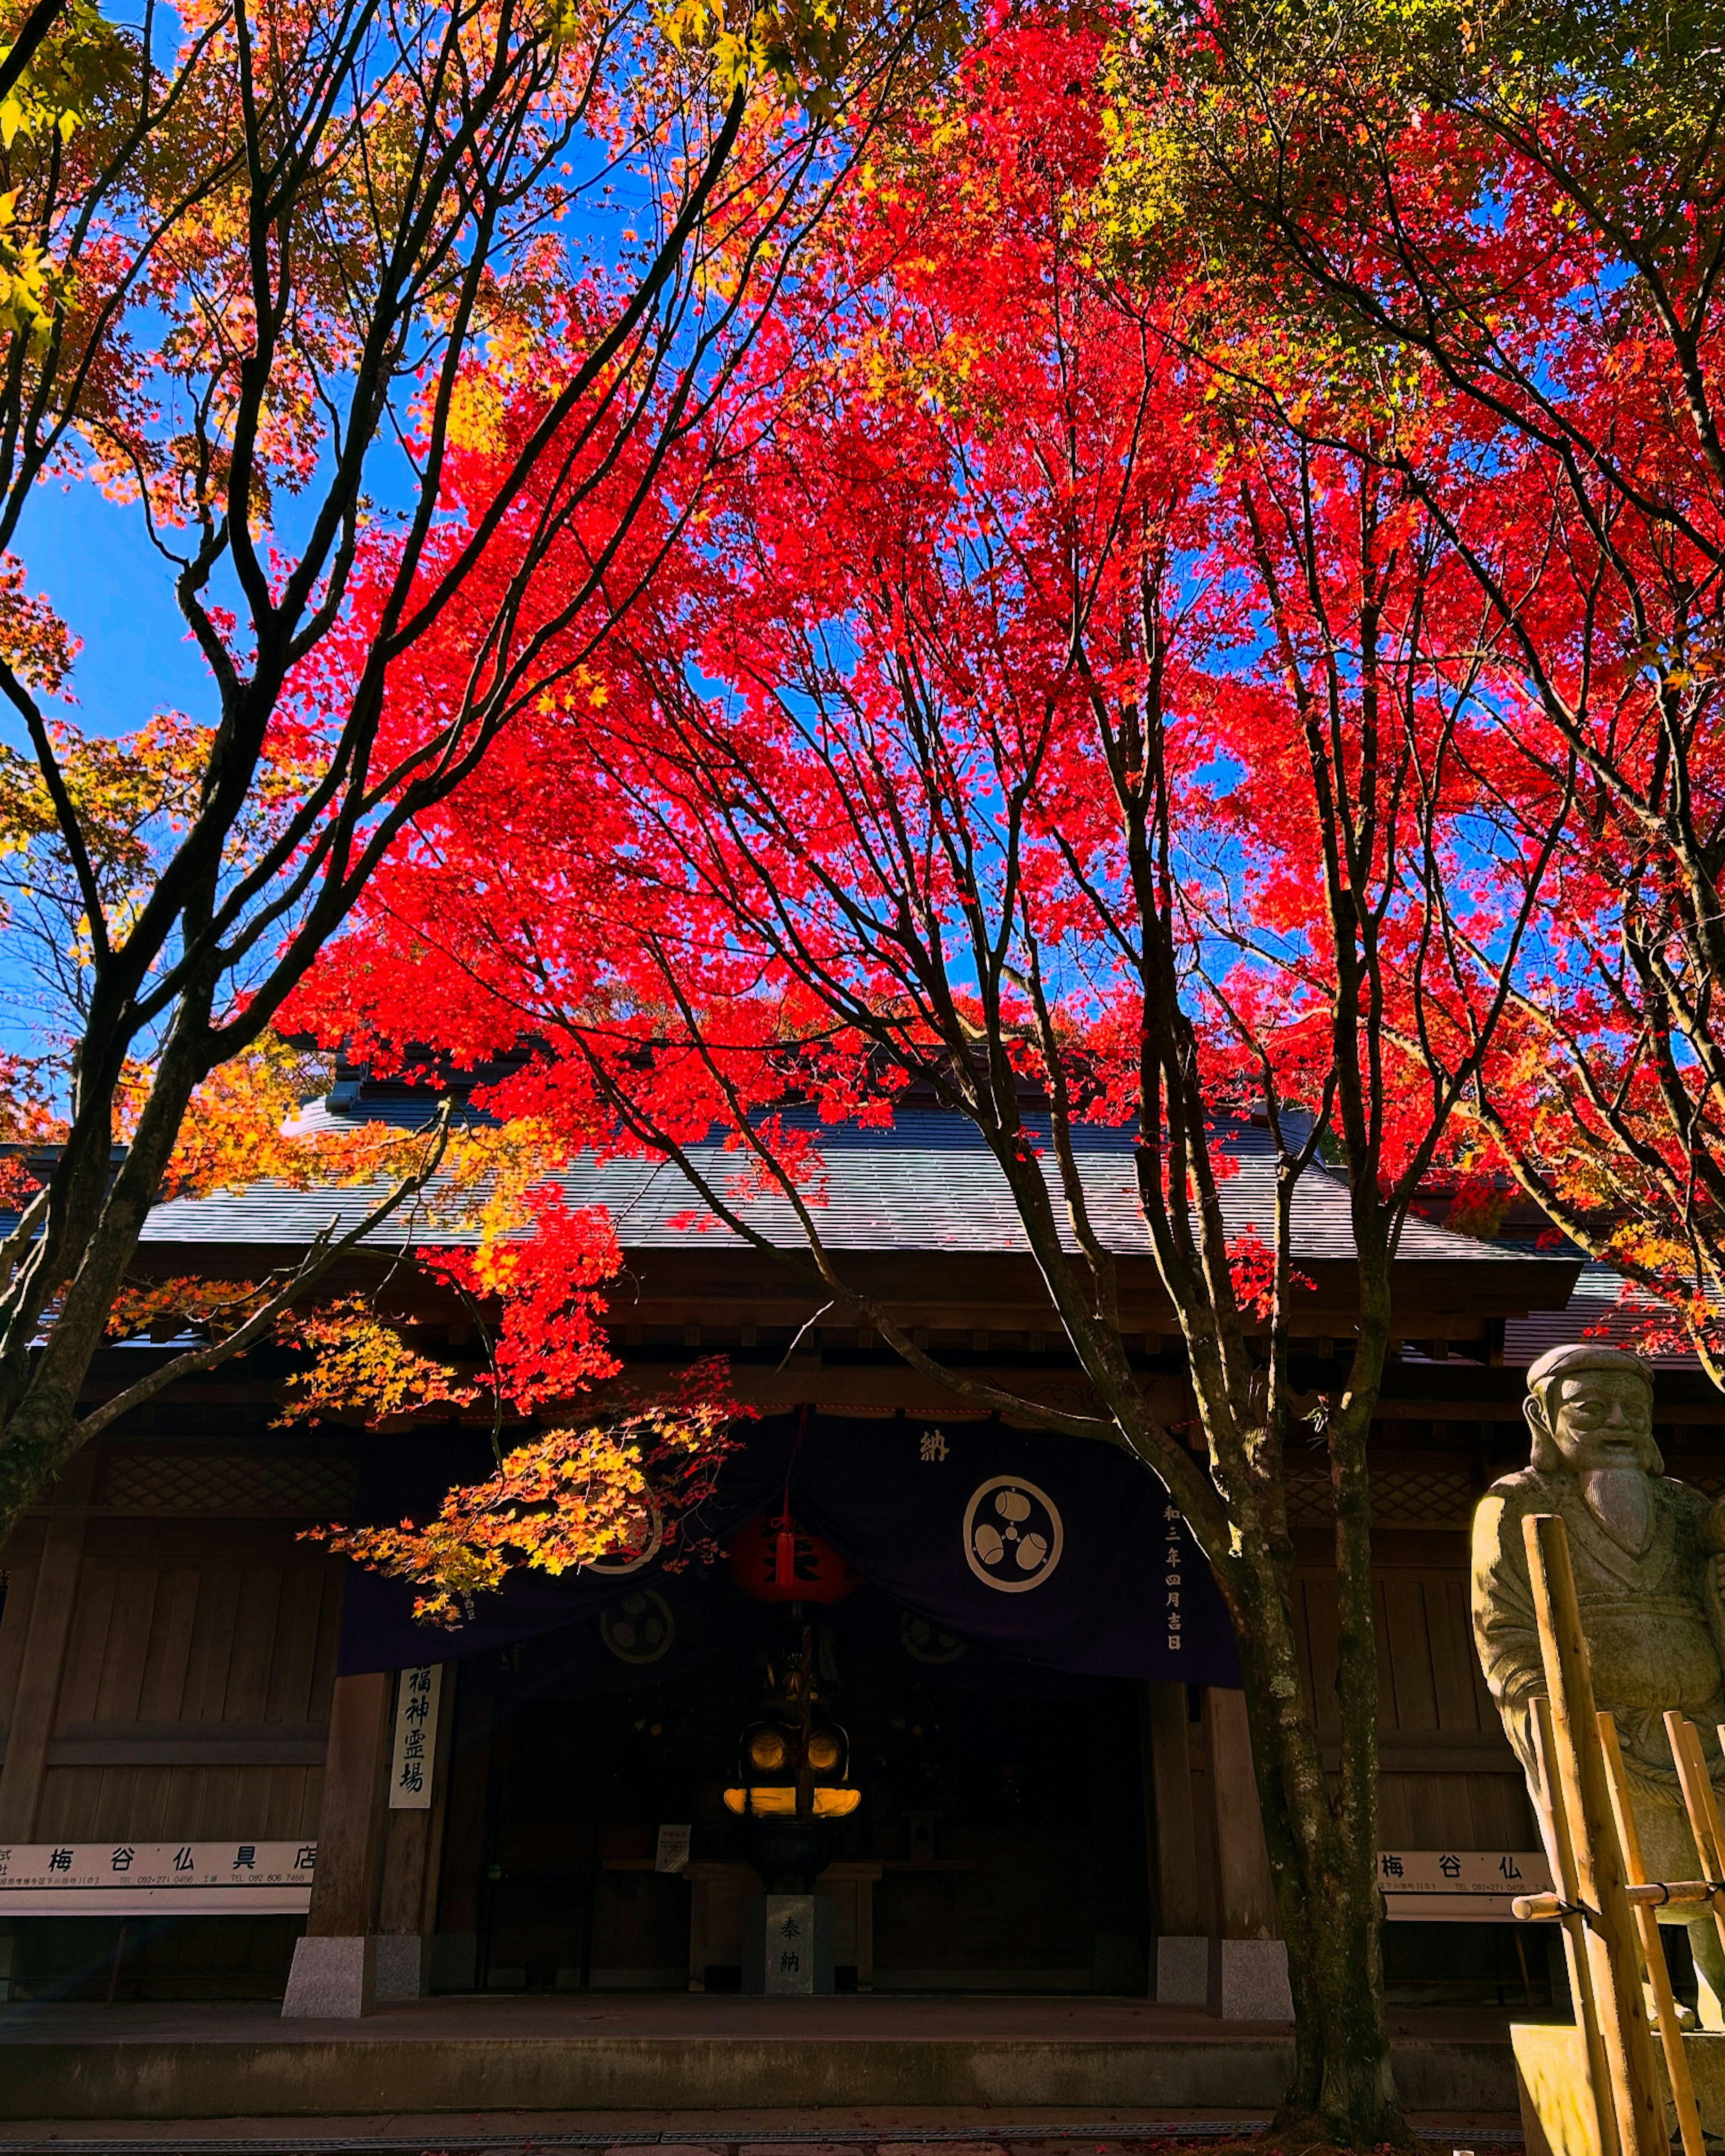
{"x": 1422, "y": 1497}
{"x": 294, "y": 1484}
{"x": 1309, "y": 1497}
{"x": 1401, "y": 1497}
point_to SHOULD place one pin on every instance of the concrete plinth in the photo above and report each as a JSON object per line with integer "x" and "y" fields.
{"x": 1248, "y": 1981}
{"x": 332, "y": 1979}
{"x": 403, "y": 1965}
{"x": 1183, "y": 1970}
{"x": 788, "y": 1944}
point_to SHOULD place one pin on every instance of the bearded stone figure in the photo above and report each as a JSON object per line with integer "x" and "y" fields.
{"x": 1650, "y": 1579}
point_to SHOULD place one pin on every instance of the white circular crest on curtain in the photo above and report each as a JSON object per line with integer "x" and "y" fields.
{"x": 639, "y": 1629}
{"x": 1013, "y": 1535}
{"x": 618, "y": 1564}
{"x": 924, "y": 1641}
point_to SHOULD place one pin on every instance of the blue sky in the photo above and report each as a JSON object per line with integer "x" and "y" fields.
{"x": 92, "y": 560}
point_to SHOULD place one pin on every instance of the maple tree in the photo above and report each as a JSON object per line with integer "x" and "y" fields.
{"x": 266, "y": 276}
{"x": 592, "y": 1468}
{"x": 1518, "y": 208}
{"x": 602, "y": 1485}
{"x": 1039, "y": 719}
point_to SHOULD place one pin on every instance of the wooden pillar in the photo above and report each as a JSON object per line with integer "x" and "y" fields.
{"x": 1248, "y": 1962}
{"x": 1182, "y": 1946}
{"x": 335, "y": 1965}
{"x": 454, "y": 1945}
{"x": 412, "y": 1850}
{"x": 52, "y": 1605}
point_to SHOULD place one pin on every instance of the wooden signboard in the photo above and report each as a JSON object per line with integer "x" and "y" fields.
{"x": 1458, "y": 1887}
{"x": 124, "y": 1879}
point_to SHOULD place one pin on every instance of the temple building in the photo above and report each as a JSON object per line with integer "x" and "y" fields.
{"x": 963, "y": 1690}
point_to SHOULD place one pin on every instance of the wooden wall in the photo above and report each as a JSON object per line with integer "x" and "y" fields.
{"x": 1448, "y": 1779}
{"x": 195, "y": 1659}
{"x": 196, "y": 1652}
{"x": 19, "y": 1562}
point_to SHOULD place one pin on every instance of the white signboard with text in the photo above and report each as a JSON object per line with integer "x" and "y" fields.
{"x": 118, "y": 1879}
{"x": 1458, "y": 1887}
{"x": 415, "y": 1755}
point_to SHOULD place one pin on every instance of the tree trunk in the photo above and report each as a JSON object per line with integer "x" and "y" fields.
{"x": 39, "y": 1429}
{"x": 1323, "y": 1864}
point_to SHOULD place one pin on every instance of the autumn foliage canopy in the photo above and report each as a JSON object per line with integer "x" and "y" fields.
{"x": 1198, "y": 594}
{"x": 1018, "y": 580}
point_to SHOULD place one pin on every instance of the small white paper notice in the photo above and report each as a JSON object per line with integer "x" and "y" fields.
{"x": 673, "y": 1853}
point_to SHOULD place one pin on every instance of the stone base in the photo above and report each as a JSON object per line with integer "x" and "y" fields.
{"x": 403, "y": 1965}
{"x": 831, "y": 2058}
{"x": 1248, "y": 1981}
{"x": 1183, "y": 1970}
{"x": 1551, "y": 2077}
{"x": 332, "y": 1978}
{"x": 788, "y": 1944}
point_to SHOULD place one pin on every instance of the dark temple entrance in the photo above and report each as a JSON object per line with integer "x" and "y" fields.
{"x": 998, "y": 1847}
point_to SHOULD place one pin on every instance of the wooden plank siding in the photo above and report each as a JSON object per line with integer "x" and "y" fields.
{"x": 194, "y": 1697}
{"x": 1447, "y": 1777}
{"x": 229, "y": 1634}
{"x": 18, "y": 1568}
{"x": 173, "y": 1804}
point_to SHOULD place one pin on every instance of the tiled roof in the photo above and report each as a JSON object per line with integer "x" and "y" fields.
{"x": 1604, "y": 1306}
{"x": 926, "y": 1184}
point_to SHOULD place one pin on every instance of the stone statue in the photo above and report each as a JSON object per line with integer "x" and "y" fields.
{"x": 1650, "y": 1580}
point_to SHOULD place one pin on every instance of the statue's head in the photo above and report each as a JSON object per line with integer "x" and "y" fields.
{"x": 1590, "y": 1407}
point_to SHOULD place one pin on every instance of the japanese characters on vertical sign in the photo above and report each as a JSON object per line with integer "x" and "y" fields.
{"x": 1173, "y": 1549}
{"x": 790, "y": 1944}
{"x": 410, "y": 1770}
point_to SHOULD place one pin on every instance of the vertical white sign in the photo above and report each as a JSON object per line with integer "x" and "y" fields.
{"x": 415, "y": 1738}
{"x": 790, "y": 1944}
{"x": 672, "y": 1853}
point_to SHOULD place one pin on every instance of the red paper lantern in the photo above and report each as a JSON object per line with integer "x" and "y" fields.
{"x": 775, "y": 1559}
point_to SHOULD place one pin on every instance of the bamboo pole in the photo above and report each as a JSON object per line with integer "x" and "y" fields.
{"x": 1656, "y": 1894}
{"x": 1659, "y": 1979}
{"x": 1700, "y": 1803}
{"x": 1612, "y": 1947}
{"x": 1562, "y": 1852}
